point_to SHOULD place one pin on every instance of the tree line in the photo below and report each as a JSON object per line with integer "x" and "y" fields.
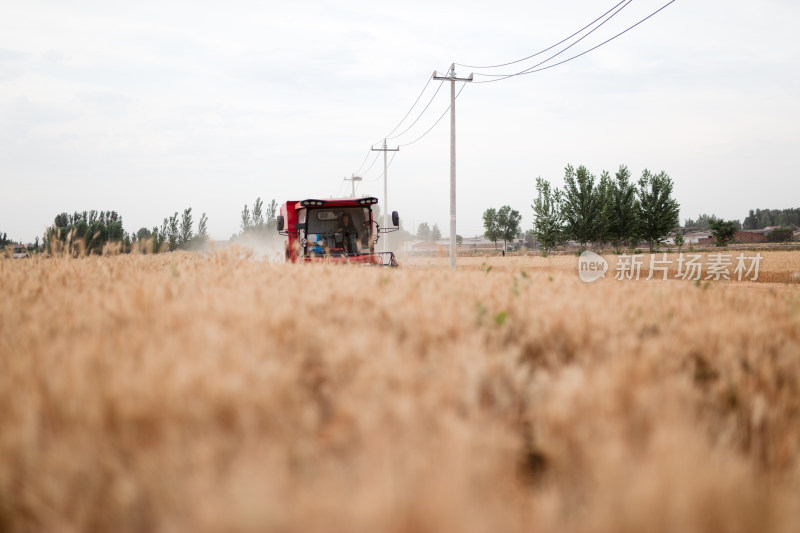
{"x": 174, "y": 234}
{"x": 428, "y": 233}
{"x": 705, "y": 222}
{"x": 611, "y": 210}
{"x": 763, "y": 218}
{"x": 756, "y": 219}
{"x": 258, "y": 221}
{"x": 91, "y": 231}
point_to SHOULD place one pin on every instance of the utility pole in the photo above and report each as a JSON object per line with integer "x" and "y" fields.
{"x": 385, "y": 198}
{"x": 451, "y": 76}
{"x": 353, "y": 178}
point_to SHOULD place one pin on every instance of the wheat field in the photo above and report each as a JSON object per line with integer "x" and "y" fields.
{"x": 216, "y": 392}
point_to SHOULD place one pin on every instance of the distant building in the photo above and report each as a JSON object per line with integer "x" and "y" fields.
{"x": 476, "y": 243}
{"x": 698, "y": 237}
{"x": 751, "y": 235}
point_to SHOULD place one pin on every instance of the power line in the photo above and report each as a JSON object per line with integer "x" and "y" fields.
{"x": 388, "y": 135}
{"x": 379, "y": 177}
{"x": 546, "y": 49}
{"x": 529, "y": 71}
{"x": 370, "y": 165}
{"x": 336, "y": 195}
{"x": 506, "y": 76}
{"x": 362, "y": 163}
{"x": 421, "y": 113}
{"x": 435, "y": 123}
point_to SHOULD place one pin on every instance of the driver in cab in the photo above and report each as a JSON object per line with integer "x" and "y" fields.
{"x": 349, "y": 232}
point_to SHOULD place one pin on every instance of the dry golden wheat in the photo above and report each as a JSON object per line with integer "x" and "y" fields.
{"x": 182, "y": 392}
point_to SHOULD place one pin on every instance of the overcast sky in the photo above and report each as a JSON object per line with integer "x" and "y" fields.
{"x": 148, "y": 107}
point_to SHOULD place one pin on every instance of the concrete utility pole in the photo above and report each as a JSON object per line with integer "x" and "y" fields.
{"x": 353, "y": 178}
{"x": 451, "y": 76}
{"x": 385, "y": 198}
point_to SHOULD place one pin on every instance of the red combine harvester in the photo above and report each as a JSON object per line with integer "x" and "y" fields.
{"x": 336, "y": 230}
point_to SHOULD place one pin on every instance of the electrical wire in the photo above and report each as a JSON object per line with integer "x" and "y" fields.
{"x": 435, "y": 123}
{"x": 371, "y": 165}
{"x": 387, "y": 136}
{"x": 421, "y": 113}
{"x": 380, "y": 176}
{"x": 339, "y": 190}
{"x": 546, "y": 49}
{"x": 362, "y": 163}
{"x": 529, "y": 71}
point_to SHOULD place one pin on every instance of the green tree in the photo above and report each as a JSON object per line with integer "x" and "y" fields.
{"x": 61, "y": 220}
{"x": 547, "y": 220}
{"x": 582, "y": 207}
{"x": 97, "y": 237}
{"x": 658, "y": 211}
{"x": 704, "y": 222}
{"x": 202, "y": 229}
{"x": 173, "y": 234}
{"x": 116, "y": 233}
{"x": 164, "y": 235}
{"x": 492, "y": 232}
{"x": 257, "y": 216}
{"x": 246, "y": 223}
{"x": 424, "y": 232}
{"x": 623, "y": 213}
{"x": 436, "y": 233}
{"x": 722, "y": 230}
{"x": 81, "y": 232}
{"x": 272, "y": 214}
{"x": 751, "y": 221}
{"x": 158, "y": 240}
{"x": 605, "y": 189}
{"x": 679, "y": 240}
{"x": 186, "y": 233}
{"x": 508, "y": 222}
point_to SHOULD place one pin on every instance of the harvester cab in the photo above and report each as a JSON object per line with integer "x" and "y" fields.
{"x": 337, "y": 230}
